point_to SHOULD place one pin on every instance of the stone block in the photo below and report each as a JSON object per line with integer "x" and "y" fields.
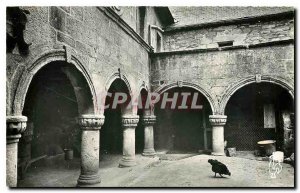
{"x": 231, "y": 152}
{"x": 83, "y": 48}
{"x": 66, "y": 39}
{"x": 77, "y": 12}
{"x": 57, "y": 18}
{"x": 65, "y": 8}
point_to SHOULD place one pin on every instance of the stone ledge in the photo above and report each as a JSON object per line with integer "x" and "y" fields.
{"x": 217, "y": 49}
{"x": 287, "y": 14}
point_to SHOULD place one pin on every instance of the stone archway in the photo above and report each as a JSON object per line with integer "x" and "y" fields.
{"x": 179, "y": 84}
{"x": 115, "y": 76}
{"x": 77, "y": 76}
{"x": 118, "y": 134}
{"x": 253, "y": 79}
{"x": 45, "y": 58}
{"x": 258, "y": 111}
{"x": 58, "y": 94}
{"x": 188, "y": 129}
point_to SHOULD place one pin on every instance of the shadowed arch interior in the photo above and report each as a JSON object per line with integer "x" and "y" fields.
{"x": 111, "y": 137}
{"x": 183, "y": 130}
{"x": 58, "y": 93}
{"x": 139, "y": 131}
{"x": 250, "y": 80}
{"x": 257, "y": 112}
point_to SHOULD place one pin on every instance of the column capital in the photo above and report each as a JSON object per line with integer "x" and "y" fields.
{"x": 130, "y": 121}
{"x": 149, "y": 120}
{"x": 15, "y": 125}
{"x": 91, "y": 121}
{"x": 217, "y": 120}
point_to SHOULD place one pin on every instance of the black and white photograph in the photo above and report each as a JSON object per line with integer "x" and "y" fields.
{"x": 149, "y": 96}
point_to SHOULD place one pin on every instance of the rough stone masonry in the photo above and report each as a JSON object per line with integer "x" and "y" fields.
{"x": 239, "y": 61}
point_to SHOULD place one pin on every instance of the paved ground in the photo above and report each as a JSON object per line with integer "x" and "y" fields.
{"x": 172, "y": 170}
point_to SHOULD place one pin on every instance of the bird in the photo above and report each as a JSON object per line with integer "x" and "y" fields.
{"x": 218, "y": 167}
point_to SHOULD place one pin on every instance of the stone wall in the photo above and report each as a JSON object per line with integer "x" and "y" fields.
{"x": 216, "y": 71}
{"x": 92, "y": 35}
{"x": 262, "y": 51}
{"x": 248, "y": 33}
{"x": 261, "y": 48}
{"x": 130, "y": 16}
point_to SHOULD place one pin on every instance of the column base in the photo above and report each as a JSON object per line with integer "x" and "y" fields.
{"x": 127, "y": 162}
{"x": 149, "y": 152}
{"x": 88, "y": 180}
{"x": 218, "y": 153}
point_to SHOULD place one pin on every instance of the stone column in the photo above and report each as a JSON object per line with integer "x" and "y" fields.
{"x": 217, "y": 122}
{"x": 129, "y": 123}
{"x": 148, "y": 122}
{"x": 25, "y": 149}
{"x": 90, "y": 145}
{"x": 15, "y": 125}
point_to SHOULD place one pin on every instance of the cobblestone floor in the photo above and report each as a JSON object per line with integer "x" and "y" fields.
{"x": 171, "y": 171}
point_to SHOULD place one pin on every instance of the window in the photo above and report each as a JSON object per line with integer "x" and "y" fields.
{"x": 269, "y": 116}
{"x": 141, "y": 21}
{"x": 225, "y": 44}
{"x": 158, "y": 42}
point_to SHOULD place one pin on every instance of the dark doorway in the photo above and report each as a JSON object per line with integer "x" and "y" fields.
{"x": 52, "y": 109}
{"x": 139, "y": 131}
{"x": 139, "y": 134}
{"x": 111, "y": 137}
{"x": 57, "y": 95}
{"x": 256, "y": 112}
{"x": 183, "y": 130}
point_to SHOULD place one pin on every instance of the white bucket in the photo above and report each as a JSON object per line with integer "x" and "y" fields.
{"x": 278, "y": 156}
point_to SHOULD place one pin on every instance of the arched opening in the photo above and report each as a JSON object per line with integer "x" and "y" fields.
{"x": 58, "y": 93}
{"x": 111, "y": 138}
{"x": 183, "y": 130}
{"x": 139, "y": 131}
{"x": 258, "y": 112}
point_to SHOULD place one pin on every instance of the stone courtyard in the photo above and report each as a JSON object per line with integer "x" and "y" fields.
{"x": 169, "y": 170}
{"x": 133, "y": 95}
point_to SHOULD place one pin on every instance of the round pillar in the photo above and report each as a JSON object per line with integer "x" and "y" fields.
{"x": 217, "y": 122}
{"x": 15, "y": 125}
{"x": 24, "y": 151}
{"x": 90, "y": 145}
{"x": 148, "y": 122}
{"x": 129, "y": 123}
